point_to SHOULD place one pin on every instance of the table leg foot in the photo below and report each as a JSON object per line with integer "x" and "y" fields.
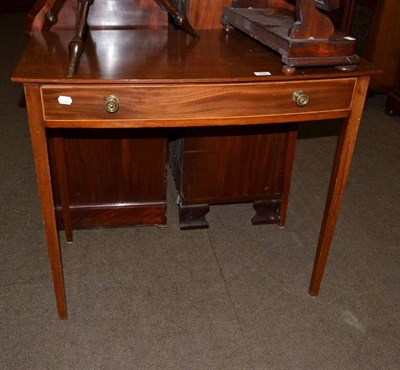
{"x": 76, "y": 48}
{"x": 77, "y": 45}
{"x": 288, "y": 70}
{"x": 267, "y": 212}
{"x": 193, "y": 216}
{"x": 179, "y": 18}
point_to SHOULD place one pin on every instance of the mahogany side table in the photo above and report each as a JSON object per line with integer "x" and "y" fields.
{"x": 177, "y": 90}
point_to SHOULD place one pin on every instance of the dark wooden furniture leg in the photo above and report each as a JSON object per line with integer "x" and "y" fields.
{"x": 288, "y": 176}
{"x": 179, "y": 18}
{"x": 41, "y": 157}
{"x": 267, "y": 212}
{"x": 339, "y": 176}
{"x": 62, "y": 181}
{"x": 393, "y": 103}
{"x": 193, "y": 216}
{"x": 274, "y": 210}
{"x": 77, "y": 44}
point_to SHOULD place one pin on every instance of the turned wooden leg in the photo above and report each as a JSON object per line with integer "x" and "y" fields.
{"x": 52, "y": 15}
{"x": 193, "y": 216}
{"x": 179, "y": 18}
{"x": 77, "y": 44}
{"x": 267, "y": 212}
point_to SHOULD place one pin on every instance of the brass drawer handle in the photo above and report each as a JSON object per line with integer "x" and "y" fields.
{"x": 111, "y": 104}
{"x": 300, "y": 98}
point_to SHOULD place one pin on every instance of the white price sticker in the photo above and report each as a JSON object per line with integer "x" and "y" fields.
{"x": 64, "y": 100}
{"x": 262, "y": 73}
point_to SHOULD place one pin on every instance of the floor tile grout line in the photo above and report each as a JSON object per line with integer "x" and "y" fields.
{"x": 231, "y": 300}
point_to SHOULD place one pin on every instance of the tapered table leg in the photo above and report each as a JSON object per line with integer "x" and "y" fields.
{"x": 41, "y": 157}
{"x": 339, "y": 176}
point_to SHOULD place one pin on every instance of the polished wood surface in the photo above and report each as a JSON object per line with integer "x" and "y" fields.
{"x": 146, "y": 57}
{"x": 186, "y": 103}
{"x": 111, "y": 15}
{"x": 206, "y": 14}
{"x": 231, "y": 62}
{"x": 235, "y": 183}
{"x": 112, "y": 178}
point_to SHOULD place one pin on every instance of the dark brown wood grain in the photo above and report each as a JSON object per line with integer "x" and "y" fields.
{"x": 112, "y": 178}
{"x": 164, "y": 56}
{"x": 206, "y": 14}
{"x": 223, "y": 165}
{"x": 147, "y": 103}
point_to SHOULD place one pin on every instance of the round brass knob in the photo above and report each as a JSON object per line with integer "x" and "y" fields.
{"x": 300, "y": 98}
{"x": 111, "y": 104}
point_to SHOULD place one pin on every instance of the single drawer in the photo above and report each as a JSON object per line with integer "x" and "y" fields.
{"x": 203, "y": 102}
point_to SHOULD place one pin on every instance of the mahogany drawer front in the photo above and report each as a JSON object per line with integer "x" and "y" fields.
{"x": 195, "y": 101}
